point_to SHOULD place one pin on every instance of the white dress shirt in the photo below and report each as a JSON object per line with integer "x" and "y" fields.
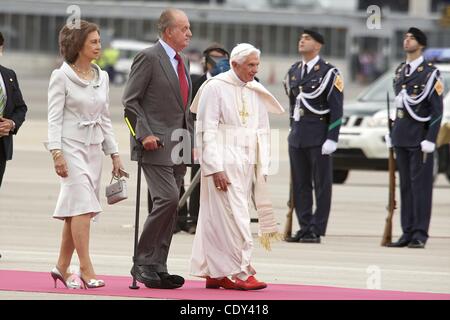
{"x": 2, "y": 83}
{"x": 414, "y": 65}
{"x": 310, "y": 64}
{"x": 171, "y": 53}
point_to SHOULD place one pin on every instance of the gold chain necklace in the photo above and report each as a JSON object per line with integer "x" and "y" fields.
{"x": 83, "y": 73}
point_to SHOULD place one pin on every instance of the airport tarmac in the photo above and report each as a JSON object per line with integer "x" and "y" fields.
{"x": 349, "y": 256}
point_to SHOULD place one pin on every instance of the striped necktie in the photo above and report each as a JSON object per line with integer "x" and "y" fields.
{"x": 2, "y": 101}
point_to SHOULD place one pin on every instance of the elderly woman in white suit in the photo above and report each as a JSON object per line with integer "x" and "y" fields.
{"x": 79, "y": 133}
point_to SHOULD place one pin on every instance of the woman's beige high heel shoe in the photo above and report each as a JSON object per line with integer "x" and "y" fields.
{"x": 57, "y": 275}
{"x": 93, "y": 283}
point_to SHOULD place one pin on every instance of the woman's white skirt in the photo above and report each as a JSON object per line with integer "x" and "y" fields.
{"x": 80, "y": 191}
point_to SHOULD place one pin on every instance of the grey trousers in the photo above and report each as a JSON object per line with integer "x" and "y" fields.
{"x": 164, "y": 184}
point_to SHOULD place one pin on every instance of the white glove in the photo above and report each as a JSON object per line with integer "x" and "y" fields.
{"x": 329, "y": 147}
{"x": 399, "y": 102}
{"x": 427, "y": 146}
{"x": 387, "y": 139}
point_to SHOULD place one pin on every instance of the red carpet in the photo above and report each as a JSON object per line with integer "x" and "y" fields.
{"x": 27, "y": 281}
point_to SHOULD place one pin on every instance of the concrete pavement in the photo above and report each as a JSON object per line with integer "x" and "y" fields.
{"x": 350, "y": 255}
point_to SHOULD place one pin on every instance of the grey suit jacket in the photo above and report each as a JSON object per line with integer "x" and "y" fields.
{"x": 153, "y": 95}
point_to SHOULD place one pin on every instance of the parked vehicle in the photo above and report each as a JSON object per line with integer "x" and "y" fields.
{"x": 128, "y": 50}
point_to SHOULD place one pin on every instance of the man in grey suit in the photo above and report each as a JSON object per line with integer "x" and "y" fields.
{"x": 158, "y": 92}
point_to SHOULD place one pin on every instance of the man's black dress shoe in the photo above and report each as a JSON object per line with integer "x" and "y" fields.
{"x": 168, "y": 281}
{"x": 191, "y": 229}
{"x": 416, "y": 244}
{"x": 398, "y": 244}
{"x": 175, "y": 279}
{"x": 310, "y": 238}
{"x": 177, "y": 229}
{"x": 295, "y": 238}
{"x": 144, "y": 275}
{"x": 187, "y": 227}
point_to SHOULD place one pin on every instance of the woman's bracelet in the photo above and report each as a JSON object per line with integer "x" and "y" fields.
{"x": 114, "y": 155}
{"x": 56, "y": 154}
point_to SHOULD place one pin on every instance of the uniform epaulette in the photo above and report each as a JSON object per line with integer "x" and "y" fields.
{"x": 295, "y": 65}
{"x": 329, "y": 65}
{"x": 431, "y": 66}
{"x": 400, "y": 66}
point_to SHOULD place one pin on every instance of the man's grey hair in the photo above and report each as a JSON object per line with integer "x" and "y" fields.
{"x": 166, "y": 20}
{"x": 242, "y": 51}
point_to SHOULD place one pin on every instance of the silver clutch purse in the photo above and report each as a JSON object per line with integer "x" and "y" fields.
{"x": 116, "y": 191}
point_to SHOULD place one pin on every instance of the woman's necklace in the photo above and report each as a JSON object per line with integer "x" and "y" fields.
{"x": 85, "y": 74}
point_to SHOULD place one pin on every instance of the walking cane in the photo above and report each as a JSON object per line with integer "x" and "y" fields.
{"x": 139, "y": 148}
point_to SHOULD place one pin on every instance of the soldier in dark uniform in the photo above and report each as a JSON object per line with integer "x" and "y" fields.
{"x": 315, "y": 90}
{"x": 419, "y": 106}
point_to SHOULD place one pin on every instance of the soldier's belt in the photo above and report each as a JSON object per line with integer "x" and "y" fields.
{"x": 403, "y": 113}
{"x": 306, "y": 113}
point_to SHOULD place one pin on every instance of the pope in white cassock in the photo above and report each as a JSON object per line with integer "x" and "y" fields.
{"x": 232, "y": 139}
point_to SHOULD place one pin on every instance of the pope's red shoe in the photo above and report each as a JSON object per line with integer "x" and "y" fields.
{"x": 250, "y": 284}
{"x": 213, "y": 283}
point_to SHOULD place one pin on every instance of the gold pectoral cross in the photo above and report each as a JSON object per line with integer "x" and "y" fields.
{"x": 243, "y": 113}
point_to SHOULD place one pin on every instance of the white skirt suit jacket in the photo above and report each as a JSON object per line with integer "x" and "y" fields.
{"x": 79, "y": 124}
